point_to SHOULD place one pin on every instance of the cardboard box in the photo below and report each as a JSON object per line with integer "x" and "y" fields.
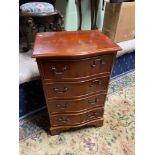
{"x": 119, "y": 21}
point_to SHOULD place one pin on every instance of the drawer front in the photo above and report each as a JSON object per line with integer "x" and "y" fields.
{"x": 75, "y": 69}
{"x": 71, "y": 119}
{"x": 56, "y": 106}
{"x": 75, "y": 89}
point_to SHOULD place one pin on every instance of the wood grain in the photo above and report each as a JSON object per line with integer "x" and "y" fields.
{"x": 62, "y": 70}
{"x": 75, "y": 69}
{"x": 76, "y": 105}
{"x": 72, "y": 44}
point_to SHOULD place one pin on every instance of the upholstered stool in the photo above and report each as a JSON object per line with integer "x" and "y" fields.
{"x": 36, "y": 8}
{"x": 36, "y": 15}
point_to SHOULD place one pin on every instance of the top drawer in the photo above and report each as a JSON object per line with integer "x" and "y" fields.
{"x": 75, "y": 69}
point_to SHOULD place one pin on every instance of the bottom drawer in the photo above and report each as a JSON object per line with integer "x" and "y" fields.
{"x": 76, "y": 118}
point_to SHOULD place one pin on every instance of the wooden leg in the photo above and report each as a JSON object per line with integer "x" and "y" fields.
{"x": 95, "y": 14}
{"x": 46, "y": 26}
{"x": 32, "y": 25}
{"x": 94, "y": 9}
{"x": 92, "y": 14}
{"x": 78, "y": 3}
{"x": 59, "y": 22}
{"x": 98, "y": 123}
{"x": 24, "y": 34}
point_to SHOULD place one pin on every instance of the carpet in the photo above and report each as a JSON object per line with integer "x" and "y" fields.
{"x": 115, "y": 137}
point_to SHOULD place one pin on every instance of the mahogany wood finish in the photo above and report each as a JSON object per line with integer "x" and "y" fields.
{"x": 72, "y": 44}
{"x": 77, "y": 104}
{"x": 76, "y": 118}
{"x": 75, "y": 69}
{"x": 75, "y": 89}
{"x": 97, "y": 123}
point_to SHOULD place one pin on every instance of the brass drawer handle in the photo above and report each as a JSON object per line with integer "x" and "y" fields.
{"x": 101, "y": 61}
{"x": 62, "y": 106}
{"x": 95, "y": 81}
{"x": 54, "y": 69}
{"x": 57, "y": 90}
{"x": 93, "y": 102}
{"x": 63, "y": 119}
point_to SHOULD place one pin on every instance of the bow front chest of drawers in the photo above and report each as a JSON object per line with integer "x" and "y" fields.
{"x": 75, "y": 69}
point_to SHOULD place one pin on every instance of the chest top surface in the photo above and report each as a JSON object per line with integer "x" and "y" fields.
{"x": 72, "y": 43}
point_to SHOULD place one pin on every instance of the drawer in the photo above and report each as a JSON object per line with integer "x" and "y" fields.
{"x": 57, "y": 106}
{"x": 75, "y": 69}
{"x": 75, "y": 89}
{"x": 76, "y": 118}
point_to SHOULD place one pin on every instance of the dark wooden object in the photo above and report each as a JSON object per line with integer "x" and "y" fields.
{"x": 52, "y": 22}
{"x": 78, "y": 3}
{"x": 75, "y": 69}
{"x": 94, "y": 9}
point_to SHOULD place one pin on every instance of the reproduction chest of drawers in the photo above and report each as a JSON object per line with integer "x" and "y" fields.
{"x": 75, "y": 69}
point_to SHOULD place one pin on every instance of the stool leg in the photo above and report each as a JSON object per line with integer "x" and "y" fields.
{"x": 32, "y": 26}
{"x": 59, "y": 22}
{"x": 45, "y": 28}
{"x": 24, "y": 33}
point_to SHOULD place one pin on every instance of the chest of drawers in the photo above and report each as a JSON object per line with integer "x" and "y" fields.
{"x": 75, "y": 69}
